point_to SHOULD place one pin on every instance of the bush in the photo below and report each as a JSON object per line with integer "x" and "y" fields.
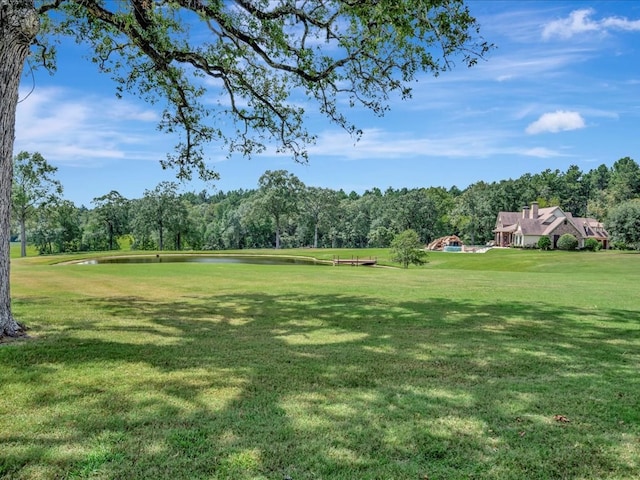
{"x": 406, "y": 248}
{"x": 620, "y": 246}
{"x": 592, "y": 245}
{"x": 623, "y": 224}
{"x": 544, "y": 243}
{"x": 567, "y": 242}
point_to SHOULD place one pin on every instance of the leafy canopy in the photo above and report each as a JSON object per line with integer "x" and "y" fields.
{"x": 406, "y": 248}
{"x": 623, "y": 224}
{"x": 33, "y": 184}
{"x": 265, "y": 59}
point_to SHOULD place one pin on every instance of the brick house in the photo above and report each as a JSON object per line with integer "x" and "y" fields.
{"x": 524, "y": 229}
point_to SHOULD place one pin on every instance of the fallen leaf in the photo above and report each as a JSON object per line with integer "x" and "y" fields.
{"x": 561, "y": 418}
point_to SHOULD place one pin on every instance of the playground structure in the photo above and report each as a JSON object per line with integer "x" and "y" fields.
{"x": 450, "y": 243}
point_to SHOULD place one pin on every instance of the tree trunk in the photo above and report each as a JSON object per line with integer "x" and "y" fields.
{"x": 18, "y": 27}
{"x": 315, "y": 235}
{"x": 277, "y": 219}
{"x": 110, "y": 233}
{"x": 23, "y": 236}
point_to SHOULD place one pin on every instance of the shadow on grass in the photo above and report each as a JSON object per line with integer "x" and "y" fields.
{"x": 317, "y": 387}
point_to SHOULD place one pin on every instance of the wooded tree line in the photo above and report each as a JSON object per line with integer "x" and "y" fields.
{"x": 283, "y": 212}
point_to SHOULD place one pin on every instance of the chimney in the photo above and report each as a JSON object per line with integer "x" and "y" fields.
{"x": 534, "y": 210}
{"x": 525, "y": 212}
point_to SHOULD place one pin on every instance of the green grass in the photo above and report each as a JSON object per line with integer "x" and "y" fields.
{"x": 214, "y": 371}
{"x": 15, "y": 250}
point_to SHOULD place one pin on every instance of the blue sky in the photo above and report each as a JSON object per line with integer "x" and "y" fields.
{"x": 562, "y": 88}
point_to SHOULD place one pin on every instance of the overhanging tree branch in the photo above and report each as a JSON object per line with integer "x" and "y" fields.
{"x": 264, "y": 54}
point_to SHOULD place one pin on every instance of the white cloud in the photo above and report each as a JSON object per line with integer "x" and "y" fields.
{"x": 580, "y": 21}
{"x": 541, "y": 152}
{"x": 377, "y": 143}
{"x": 513, "y": 67}
{"x": 618, "y": 23}
{"x": 71, "y": 129}
{"x": 382, "y": 144}
{"x": 120, "y": 110}
{"x": 558, "y": 121}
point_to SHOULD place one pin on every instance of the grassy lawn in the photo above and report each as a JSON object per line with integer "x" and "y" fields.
{"x": 15, "y": 250}
{"x": 505, "y": 365}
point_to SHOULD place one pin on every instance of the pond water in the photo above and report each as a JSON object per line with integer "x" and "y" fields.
{"x": 198, "y": 258}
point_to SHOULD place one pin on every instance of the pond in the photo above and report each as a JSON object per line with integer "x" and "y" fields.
{"x": 203, "y": 258}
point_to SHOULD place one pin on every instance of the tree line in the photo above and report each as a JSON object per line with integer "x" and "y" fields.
{"x": 284, "y": 212}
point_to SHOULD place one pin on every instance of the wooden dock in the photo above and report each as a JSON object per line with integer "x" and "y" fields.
{"x": 355, "y": 261}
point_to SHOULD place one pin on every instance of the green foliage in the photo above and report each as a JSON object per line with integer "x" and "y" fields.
{"x": 380, "y": 236}
{"x": 324, "y": 218}
{"x": 320, "y": 208}
{"x": 160, "y": 218}
{"x": 624, "y": 181}
{"x": 33, "y": 188}
{"x": 567, "y": 242}
{"x": 112, "y": 217}
{"x": 544, "y": 243}
{"x": 592, "y": 245}
{"x": 406, "y": 248}
{"x": 57, "y": 228}
{"x": 266, "y": 55}
{"x": 280, "y": 195}
{"x": 474, "y": 215}
{"x": 623, "y": 224}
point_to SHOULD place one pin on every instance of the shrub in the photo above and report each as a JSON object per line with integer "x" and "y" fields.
{"x": 544, "y": 243}
{"x": 567, "y": 242}
{"x": 618, "y": 245}
{"x": 623, "y": 223}
{"x": 406, "y": 248}
{"x": 592, "y": 245}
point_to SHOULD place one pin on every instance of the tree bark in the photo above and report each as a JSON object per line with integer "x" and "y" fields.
{"x": 315, "y": 235}
{"x": 276, "y": 219}
{"x": 23, "y": 236}
{"x": 19, "y": 25}
{"x": 110, "y": 234}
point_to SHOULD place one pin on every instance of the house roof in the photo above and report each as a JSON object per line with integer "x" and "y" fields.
{"x": 507, "y": 221}
{"x": 590, "y": 228}
{"x": 546, "y": 221}
{"x": 531, "y": 226}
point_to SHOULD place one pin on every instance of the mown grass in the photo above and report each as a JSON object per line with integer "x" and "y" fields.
{"x": 15, "y": 250}
{"x": 507, "y": 365}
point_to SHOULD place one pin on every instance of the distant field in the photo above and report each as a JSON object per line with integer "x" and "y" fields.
{"x": 15, "y": 250}
{"x": 505, "y": 365}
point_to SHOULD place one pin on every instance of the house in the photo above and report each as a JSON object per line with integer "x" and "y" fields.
{"x": 524, "y": 229}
